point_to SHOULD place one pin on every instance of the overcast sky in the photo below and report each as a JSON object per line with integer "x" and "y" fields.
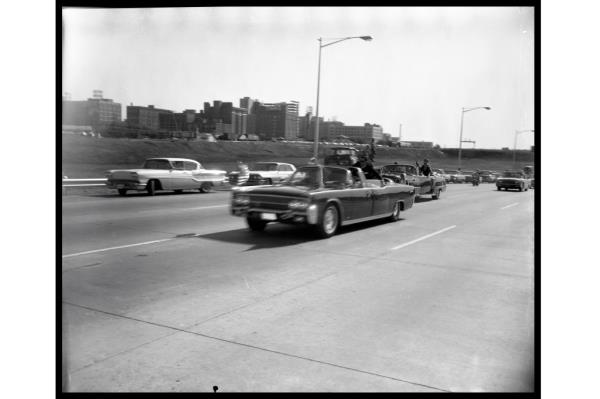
{"x": 422, "y": 66}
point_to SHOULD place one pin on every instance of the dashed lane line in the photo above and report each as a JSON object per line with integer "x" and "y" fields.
{"x": 510, "y": 205}
{"x": 119, "y": 247}
{"x": 423, "y": 238}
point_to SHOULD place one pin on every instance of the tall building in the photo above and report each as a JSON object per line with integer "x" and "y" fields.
{"x": 150, "y": 117}
{"x": 274, "y": 120}
{"x": 96, "y": 112}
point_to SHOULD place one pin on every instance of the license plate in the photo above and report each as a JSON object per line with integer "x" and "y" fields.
{"x": 268, "y": 216}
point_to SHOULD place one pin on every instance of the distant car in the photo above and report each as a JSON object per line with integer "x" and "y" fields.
{"x": 408, "y": 174}
{"x": 456, "y": 176}
{"x": 265, "y": 173}
{"x": 441, "y": 172}
{"x": 341, "y": 156}
{"x": 514, "y": 179}
{"x": 176, "y": 174}
{"x": 323, "y": 197}
{"x": 487, "y": 176}
{"x": 468, "y": 175}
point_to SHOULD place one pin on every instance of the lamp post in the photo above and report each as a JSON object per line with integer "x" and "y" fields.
{"x": 517, "y": 132}
{"x": 321, "y": 45}
{"x": 460, "y": 140}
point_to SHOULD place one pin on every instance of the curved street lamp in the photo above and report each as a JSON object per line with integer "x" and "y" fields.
{"x": 517, "y": 132}
{"x": 321, "y": 45}
{"x": 460, "y": 140}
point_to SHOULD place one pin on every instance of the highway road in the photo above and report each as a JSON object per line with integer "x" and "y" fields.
{"x": 171, "y": 293}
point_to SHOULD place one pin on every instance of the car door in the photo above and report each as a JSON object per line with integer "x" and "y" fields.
{"x": 356, "y": 199}
{"x": 179, "y": 178}
{"x": 192, "y": 173}
{"x": 381, "y": 200}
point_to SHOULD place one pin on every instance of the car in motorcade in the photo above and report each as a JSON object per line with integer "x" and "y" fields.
{"x": 487, "y": 176}
{"x": 468, "y": 175}
{"x": 324, "y": 197}
{"x": 409, "y": 174}
{"x": 514, "y": 179}
{"x": 341, "y": 156}
{"x": 529, "y": 172}
{"x": 456, "y": 176}
{"x": 264, "y": 173}
{"x": 176, "y": 174}
{"x": 441, "y": 172}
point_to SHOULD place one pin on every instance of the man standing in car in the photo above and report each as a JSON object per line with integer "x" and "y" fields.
{"x": 425, "y": 169}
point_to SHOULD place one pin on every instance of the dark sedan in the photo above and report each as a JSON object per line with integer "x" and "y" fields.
{"x": 324, "y": 197}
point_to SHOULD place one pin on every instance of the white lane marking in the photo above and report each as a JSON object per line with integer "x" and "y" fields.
{"x": 510, "y": 205}
{"x": 119, "y": 247}
{"x": 206, "y": 207}
{"x": 423, "y": 238}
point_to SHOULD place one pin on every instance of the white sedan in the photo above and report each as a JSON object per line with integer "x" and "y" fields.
{"x": 176, "y": 174}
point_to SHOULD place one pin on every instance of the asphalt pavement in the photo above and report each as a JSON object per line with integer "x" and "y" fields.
{"x": 171, "y": 293}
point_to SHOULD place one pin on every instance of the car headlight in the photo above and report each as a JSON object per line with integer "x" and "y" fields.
{"x": 241, "y": 200}
{"x": 296, "y": 204}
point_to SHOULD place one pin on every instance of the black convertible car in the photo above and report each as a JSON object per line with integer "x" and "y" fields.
{"x": 325, "y": 197}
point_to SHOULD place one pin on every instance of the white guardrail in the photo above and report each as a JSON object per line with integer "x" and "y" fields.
{"x": 83, "y": 182}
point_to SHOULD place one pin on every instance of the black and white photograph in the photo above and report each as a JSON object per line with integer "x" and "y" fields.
{"x": 298, "y": 199}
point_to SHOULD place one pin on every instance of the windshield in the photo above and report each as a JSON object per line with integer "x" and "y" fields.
{"x": 268, "y": 167}
{"x": 343, "y": 151}
{"x": 305, "y": 177}
{"x": 512, "y": 174}
{"x": 408, "y": 169}
{"x": 156, "y": 164}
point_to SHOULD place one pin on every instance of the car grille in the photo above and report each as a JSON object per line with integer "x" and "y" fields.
{"x": 270, "y": 202}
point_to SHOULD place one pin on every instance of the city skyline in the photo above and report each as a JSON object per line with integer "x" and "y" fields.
{"x": 422, "y": 67}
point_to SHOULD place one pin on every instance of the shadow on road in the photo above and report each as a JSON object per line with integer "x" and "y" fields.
{"x": 278, "y": 235}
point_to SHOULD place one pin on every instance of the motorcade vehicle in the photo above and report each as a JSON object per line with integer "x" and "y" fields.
{"x": 441, "y": 172}
{"x": 468, "y": 175}
{"x": 175, "y": 174}
{"x": 513, "y": 179}
{"x": 264, "y": 173}
{"x": 341, "y": 156}
{"x": 409, "y": 174}
{"x": 487, "y": 176}
{"x": 456, "y": 176}
{"x": 323, "y": 197}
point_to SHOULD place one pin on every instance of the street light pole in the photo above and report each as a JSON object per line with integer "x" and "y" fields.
{"x": 517, "y": 132}
{"x": 321, "y": 45}
{"x": 460, "y": 140}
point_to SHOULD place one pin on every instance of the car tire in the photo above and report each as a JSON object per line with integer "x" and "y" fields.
{"x": 205, "y": 187}
{"x": 122, "y": 192}
{"x": 436, "y": 195}
{"x": 269, "y": 182}
{"x": 178, "y": 191}
{"x": 255, "y": 224}
{"x": 151, "y": 187}
{"x": 521, "y": 187}
{"x": 499, "y": 189}
{"x": 395, "y": 213}
{"x": 329, "y": 223}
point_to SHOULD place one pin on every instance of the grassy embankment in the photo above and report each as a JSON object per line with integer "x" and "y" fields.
{"x": 85, "y": 157}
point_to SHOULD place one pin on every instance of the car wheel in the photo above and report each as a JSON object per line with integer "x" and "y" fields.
{"x": 205, "y": 187}
{"x": 499, "y": 189}
{"x": 269, "y": 182}
{"x": 521, "y": 187}
{"x": 151, "y": 187}
{"x": 122, "y": 192}
{"x": 395, "y": 212}
{"x": 330, "y": 221}
{"x": 178, "y": 191}
{"x": 436, "y": 195}
{"x": 255, "y": 224}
